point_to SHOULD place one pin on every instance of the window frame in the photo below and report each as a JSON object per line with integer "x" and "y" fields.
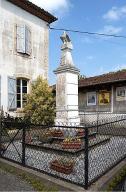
{"x": 21, "y": 91}
{"x": 95, "y": 94}
{"x": 120, "y": 98}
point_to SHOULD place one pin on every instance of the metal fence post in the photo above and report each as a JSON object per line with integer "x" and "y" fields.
{"x": 97, "y": 120}
{"x": 86, "y": 157}
{"x": 23, "y": 144}
{"x": 0, "y": 136}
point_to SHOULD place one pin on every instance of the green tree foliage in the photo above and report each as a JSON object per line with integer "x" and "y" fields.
{"x": 40, "y": 106}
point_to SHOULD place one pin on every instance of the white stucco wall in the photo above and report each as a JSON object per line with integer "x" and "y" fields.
{"x": 13, "y": 63}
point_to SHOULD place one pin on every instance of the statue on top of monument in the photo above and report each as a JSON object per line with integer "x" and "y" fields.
{"x": 65, "y": 38}
{"x": 66, "y": 41}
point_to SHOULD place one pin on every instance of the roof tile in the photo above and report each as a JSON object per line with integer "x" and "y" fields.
{"x": 34, "y": 10}
{"x": 103, "y": 79}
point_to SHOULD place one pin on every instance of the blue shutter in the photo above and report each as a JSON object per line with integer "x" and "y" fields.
{"x": 27, "y": 40}
{"x": 21, "y": 38}
{"x": 11, "y": 93}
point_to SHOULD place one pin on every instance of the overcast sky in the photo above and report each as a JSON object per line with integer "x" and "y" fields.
{"x": 93, "y": 55}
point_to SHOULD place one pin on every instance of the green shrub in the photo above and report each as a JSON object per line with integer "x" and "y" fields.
{"x": 40, "y": 106}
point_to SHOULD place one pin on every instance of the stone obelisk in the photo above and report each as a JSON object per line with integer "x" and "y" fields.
{"x": 67, "y": 86}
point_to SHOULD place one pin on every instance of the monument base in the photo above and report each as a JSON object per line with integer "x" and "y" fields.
{"x": 68, "y": 121}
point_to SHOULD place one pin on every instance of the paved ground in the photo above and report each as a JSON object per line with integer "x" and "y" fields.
{"x": 9, "y": 182}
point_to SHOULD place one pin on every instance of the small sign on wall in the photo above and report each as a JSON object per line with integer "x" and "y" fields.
{"x": 104, "y": 98}
{"x": 121, "y": 94}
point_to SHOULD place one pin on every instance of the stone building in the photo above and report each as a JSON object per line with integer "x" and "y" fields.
{"x": 24, "y": 40}
{"x": 104, "y": 93}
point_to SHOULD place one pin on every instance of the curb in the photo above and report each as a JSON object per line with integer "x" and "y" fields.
{"x": 99, "y": 185}
{"x": 61, "y": 184}
{"x": 106, "y": 179}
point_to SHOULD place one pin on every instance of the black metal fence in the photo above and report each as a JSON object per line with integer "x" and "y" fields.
{"x": 78, "y": 154}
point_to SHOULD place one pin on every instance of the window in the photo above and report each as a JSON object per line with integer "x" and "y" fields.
{"x": 23, "y": 39}
{"x": 21, "y": 91}
{"x": 91, "y": 98}
{"x": 121, "y": 93}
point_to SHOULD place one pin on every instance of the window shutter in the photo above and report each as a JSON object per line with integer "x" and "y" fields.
{"x": 21, "y": 38}
{"x": 27, "y": 41}
{"x": 11, "y": 93}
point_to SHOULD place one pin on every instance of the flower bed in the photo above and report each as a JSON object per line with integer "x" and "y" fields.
{"x": 46, "y": 137}
{"x": 28, "y": 138}
{"x": 57, "y": 133}
{"x": 71, "y": 143}
{"x": 62, "y": 166}
{"x": 80, "y": 132}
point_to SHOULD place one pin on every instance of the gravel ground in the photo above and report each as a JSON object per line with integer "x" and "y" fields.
{"x": 9, "y": 182}
{"x": 100, "y": 158}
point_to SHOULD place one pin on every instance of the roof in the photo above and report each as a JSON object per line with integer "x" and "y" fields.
{"x": 107, "y": 78}
{"x": 103, "y": 79}
{"x": 34, "y": 10}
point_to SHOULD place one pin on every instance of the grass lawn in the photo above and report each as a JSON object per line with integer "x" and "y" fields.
{"x": 37, "y": 183}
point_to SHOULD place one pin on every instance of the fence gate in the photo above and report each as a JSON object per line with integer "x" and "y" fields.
{"x": 11, "y": 140}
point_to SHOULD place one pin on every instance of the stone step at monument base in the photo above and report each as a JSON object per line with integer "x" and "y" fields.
{"x": 75, "y": 121}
